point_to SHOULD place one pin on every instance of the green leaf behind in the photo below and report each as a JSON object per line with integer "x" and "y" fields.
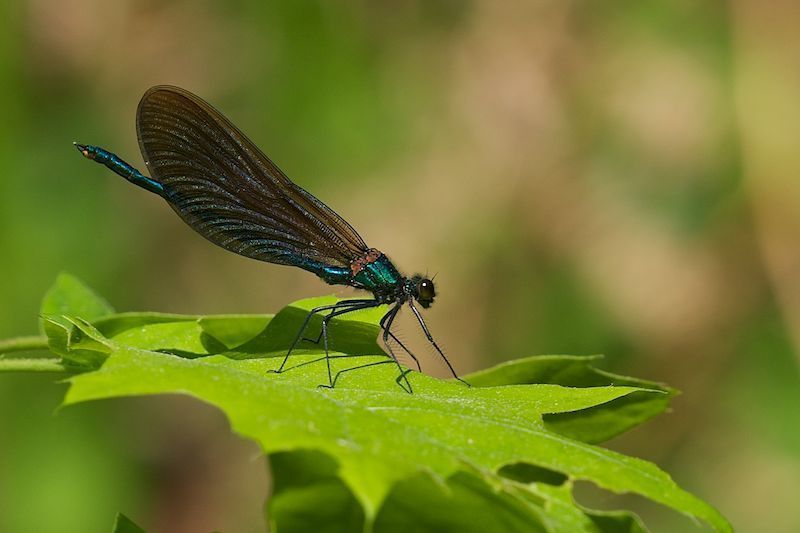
{"x": 354, "y": 333}
{"x": 69, "y": 296}
{"x": 467, "y": 502}
{"x": 123, "y": 524}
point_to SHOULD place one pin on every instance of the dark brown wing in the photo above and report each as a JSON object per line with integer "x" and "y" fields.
{"x": 225, "y": 188}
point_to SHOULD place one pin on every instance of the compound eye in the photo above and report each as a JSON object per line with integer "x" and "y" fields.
{"x": 426, "y": 290}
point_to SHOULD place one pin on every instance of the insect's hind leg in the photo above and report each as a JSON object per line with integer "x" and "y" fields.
{"x": 386, "y": 323}
{"x": 339, "y": 308}
{"x": 344, "y": 303}
{"x": 363, "y": 304}
{"x": 388, "y": 361}
{"x": 302, "y": 329}
{"x": 340, "y": 356}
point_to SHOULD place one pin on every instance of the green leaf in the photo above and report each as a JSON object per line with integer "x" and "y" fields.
{"x": 187, "y": 335}
{"x": 77, "y": 342}
{"x": 463, "y": 503}
{"x": 234, "y": 330}
{"x": 502, "y": 455}
{"x": 69, "y": 296}
{"x": 593, "y": 425}
{"x": 564, "y": 515}
{"x": 186, "y": 339}
{"x": 123, "y": 524}
{"x": 378, "y": 434}
{"x": 113, "y": 325}
{"x": 354, "y": 333}
{"x": 617, "y": 522}
{"x": 307, "y": 496}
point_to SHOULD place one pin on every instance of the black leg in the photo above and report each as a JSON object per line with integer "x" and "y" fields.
{"x": 387, "y": 332}
{"x": 332, "y": 308}
{"x": 342, "y": 356}
{"x": 347, "y": 303}
{"x": 325, "y": 342}
{"x": 386, "y": 324}
{"x": 433, "y": 342}
{"x": 400, "y": 377}
{"x": 388, "y": 318}
{"x": 376, "y": 363}
{"x": 334, "y": 313}
{"x": 341, "y": 308}
{"x": 299, "y": 333}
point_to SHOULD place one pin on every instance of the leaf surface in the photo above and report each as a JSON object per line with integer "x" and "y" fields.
{"x": 511, "y": 445}
{"x": 590, "y": 425}
{"x": 378, "y": 434}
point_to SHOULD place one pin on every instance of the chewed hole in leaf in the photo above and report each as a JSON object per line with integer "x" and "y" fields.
{"x": 528, "y": 473}
{"x": 462, "y": 502}
{"x": 599, "y": 501}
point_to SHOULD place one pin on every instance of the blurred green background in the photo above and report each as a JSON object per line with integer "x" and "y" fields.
{"x": 584, "y": 177}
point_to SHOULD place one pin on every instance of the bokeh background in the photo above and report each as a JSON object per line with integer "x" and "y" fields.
{"x": 584, "y": 177}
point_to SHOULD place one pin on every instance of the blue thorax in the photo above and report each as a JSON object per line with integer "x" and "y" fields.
{"x": 379, "y": 276}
